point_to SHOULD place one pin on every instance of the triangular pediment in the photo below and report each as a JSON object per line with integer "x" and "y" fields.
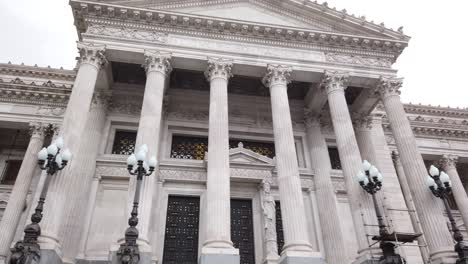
{"x": 285, "y": 13}
{"x": 241, "y": 155}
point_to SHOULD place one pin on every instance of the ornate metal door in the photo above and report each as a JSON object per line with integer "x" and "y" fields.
{"x": 242, "y": 230}
{"x": 181, "y": 239}
{"x": 279, "y": 227}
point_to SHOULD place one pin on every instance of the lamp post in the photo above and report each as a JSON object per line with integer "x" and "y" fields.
{"x": 50, "y": 160}
{"x": 128, "y": 252}
{"x": 440, "y": 185}
{"x": 371, "y": 182}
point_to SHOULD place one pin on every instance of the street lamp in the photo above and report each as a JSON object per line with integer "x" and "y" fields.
{"x": 128, "y": 252}
{"x": 440, "y": 185}
{"x": 50, "y": 160}
{"x": 371, "y": 182}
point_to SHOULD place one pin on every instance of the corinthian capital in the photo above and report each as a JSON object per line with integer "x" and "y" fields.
{"x": 91, "y": 53}
{"x": 448, "y": 162}
{"x": 277, "y": 74}
{"x": 389, "y": 86}
{"x": 36, "y": 129}
{"x": 101, "y": 99}
{"x": 157, "y": 61}
{"x": 311, "y": 118}
{"x": 334, "y": 81}
{"x": 218, "y": 68}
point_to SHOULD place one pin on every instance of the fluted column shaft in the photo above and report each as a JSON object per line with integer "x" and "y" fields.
{"x": 449, "y": 165}
{"x": 17, "y": 200}
{"x": 158, "y": 67}
{"x": 360, "y": 202}
{"x": 90, "y": 205}
{"x": 83, "y": 169}
{"x": 432, "y": 220}
{"x": 73, "y": 127}
{"x": 326, "y": 199}
{"x": 289, "y": 183}
{"x": 218, "y": 209}
{"x": 410, "y": 205}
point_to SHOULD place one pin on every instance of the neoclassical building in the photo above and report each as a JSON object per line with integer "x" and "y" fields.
{"x": 260, "y": 113}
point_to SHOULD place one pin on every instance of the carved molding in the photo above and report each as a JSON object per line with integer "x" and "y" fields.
{"x": 358, "y": 60}
{"x": 126, "y": 33}
{"x": 156, "y": 20}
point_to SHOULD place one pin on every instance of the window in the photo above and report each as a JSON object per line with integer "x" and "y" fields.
{"x": 10, "y": 172}
{"x": 242, "y": 231}
{"x": 124, "y": 142}
{"x": 186, "y": 147}
{"x": 334, "y": 158}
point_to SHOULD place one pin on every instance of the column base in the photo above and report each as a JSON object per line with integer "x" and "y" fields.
{"x": 220, "y": 255}
{"x": 145, "y": 258}
{"x": 271, "y": 260}
{"x": 301, "y": 257}
{"x": 50, "y": 256}
{"x": 446, "y": 256}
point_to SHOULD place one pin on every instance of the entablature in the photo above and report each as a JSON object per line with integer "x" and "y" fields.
{"x": 154, "y": 25}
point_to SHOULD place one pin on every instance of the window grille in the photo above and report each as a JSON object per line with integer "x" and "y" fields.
{"x": 334, "y": 158}
{"x": 124, "y": 142}
{"x": 186, "y": 147}
{"x": 181, "y": 238}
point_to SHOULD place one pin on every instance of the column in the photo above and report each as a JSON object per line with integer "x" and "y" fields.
{"x": 410, "y": 205}
{"x": 361, "y": 205}
{"x": 158, "y": 67}
{"x": 74, "y": 122}
{"x": 17, "y": 201}
{"x": 218, "y": 209}
{"x": 432, "y": 219}
{"x": 297, "y": 244}
{"x": 83, "y": 168}
{"x": 449, "y": 165}
{"x": 326, "y": 199}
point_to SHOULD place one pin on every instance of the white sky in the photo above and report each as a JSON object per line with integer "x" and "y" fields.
{"x": 41, "y": 32}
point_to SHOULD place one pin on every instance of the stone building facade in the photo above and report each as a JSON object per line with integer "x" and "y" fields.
{"x": 300, "y": 92}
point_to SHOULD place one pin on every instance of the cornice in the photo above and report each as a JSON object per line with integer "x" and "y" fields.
{"x": 436, "y": 111}
{"x": 47, "y": 93}
{"x": 36, "y": 71}
{"x": 87, "y": 13}
{"x": 323, "y": 8}
{"x": 437, "y": 132}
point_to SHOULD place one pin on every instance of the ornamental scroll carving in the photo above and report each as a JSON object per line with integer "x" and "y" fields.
{"x": 358, "y": 60}
{"x": 127, "y": 33}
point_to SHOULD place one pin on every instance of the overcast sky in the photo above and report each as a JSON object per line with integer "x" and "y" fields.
{"x": 434, "y": 65}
